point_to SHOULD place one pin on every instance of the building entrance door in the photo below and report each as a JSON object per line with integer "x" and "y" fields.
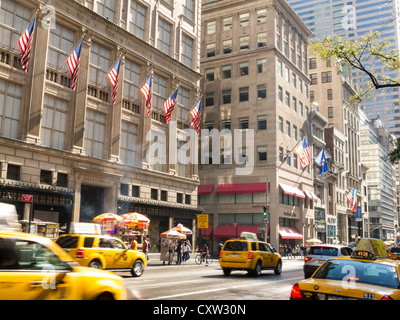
{"x": 92, "y": 203}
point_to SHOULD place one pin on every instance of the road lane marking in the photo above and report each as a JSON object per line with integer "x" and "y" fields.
{"x": 220, "y": 289}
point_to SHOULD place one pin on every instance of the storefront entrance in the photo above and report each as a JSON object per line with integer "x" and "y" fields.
{"x": 92, "y": 203}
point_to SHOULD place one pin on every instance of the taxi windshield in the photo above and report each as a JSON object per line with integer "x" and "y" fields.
{"x": 359, "y": 272}
{"x": 236, "y": 246}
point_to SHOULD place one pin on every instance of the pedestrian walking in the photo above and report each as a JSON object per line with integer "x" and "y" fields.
{"x": 285, "y": 250}
{"x": 145, "y": 248}
{"x": 134, "y": 244}
{"x": 179, "y": 252}
{"x": 290, "y": 251}
{"x": 185, "y": 251}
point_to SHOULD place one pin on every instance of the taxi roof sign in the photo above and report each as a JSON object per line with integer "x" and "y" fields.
{"x": 9, "y": 218}
{"x": 248, "y": 235}
{"x": 375, "y": 246}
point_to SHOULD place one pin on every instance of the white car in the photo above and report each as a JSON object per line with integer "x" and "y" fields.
{"x": 318, "y": 254}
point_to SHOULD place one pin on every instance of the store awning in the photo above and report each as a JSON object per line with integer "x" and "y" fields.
{"x": 206, "y": 189}
{"x": 311, "y": 195}
{"x": 292, "y": 191}
{"x": 314, "y": 196}
{"x": 290, "y": 233}
{"x": 207, "y": 232}
{"x": 242, "y": 188}
{"x": 227, "y": 231}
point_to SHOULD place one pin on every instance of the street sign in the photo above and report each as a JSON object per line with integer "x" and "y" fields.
{"x": 202, "y": 221}
{"x": 27, "y": 197}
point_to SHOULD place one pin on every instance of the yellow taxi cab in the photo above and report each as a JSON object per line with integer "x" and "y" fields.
{"x": 35, "y": 268}
{"x": 103, "y": 252}
{"x": 394, "y": 253}
{"x": 368, "y": 274}
{"x": 248, "y": 253}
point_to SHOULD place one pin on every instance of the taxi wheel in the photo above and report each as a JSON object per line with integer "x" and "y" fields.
{"x": 95, "y": 264}
{"x": 137, "y": 269}
{"x": 257, "y": 270}
{"x": 227, "y": 271}
{"x": 278, "y": 268}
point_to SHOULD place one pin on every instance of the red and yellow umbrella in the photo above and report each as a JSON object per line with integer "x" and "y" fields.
{"x": 107, "y": 217}
{"x": 134, "y": 219}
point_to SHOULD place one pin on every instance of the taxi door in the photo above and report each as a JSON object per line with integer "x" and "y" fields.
{"x": 266, "y": 254}
{"x": 121, "y": 259}
{"x": 107, "y": 251}
{"x": 29, "y": 270}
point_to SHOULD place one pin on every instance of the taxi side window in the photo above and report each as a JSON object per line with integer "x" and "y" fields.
{"x": 345, "y": 251}
{"x": 118, "y": 245}
{"x": 264, "y": 247}
{"x": 88, "y": 243}
{"x": 105, "y": 243}
{"x": 28, "y": 255}
{"x": 254, "y": 246}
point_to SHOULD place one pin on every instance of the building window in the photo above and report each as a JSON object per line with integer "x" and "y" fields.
{"x": 106, "y": 8}
{"x": 187, "y": 51}
{"x": 312, "y": 63}
{"x": 158, "y": 154}
{"x": 209, "y": 99}
{"x": 131, "y": 78}
{"x": 243, "y": 94}
{"x": 135, "y": 191}
{"x": 287, "y": 99}
{"x": 244, "y": 69}
{"x": 211, "y": 27}
{"x": 13, "y": 172}
{"x": 295, "y": 132}
{"x": 128, "y": 142}
{"x": 261, "y": 65}
{"x": 243, "y": 123}
{"x": 179, "y": 198}
{"x": 288, "y": 128}
{"x": 187, "y": 198}
{"x": 280, "y": 124}
{"x": 314, "y": 78}
{"x": 154, "y": 194}
{"x": 280, "y": 154}
{"x": 210, "y": 50}
{"x": 262, "y": 153}
{"x": 54, "y": 122}
{"x": 244, "y": 154}
{"x": 188, "y": 9}
{"x": 46, "y": 177}
{"x": 226, "y": 124}
{"x": 262, "y": 16}
{"x": 10, "y": 106}
{"x": 326, "y": 76}
{"x": 227, "y": 46}
{"x": 227, "y": 24}
{"x": 244, "y": 20}
{"x": 137, "y": 19}
{"x": 294, "y": 103}
{"x": 164, "y": 195}
{"x": 329, "y": 94}
{"x": 280, "y": 93}
{"x": 124, "y": 189}
{"x": 210, "y": 74}
{"x": 226, "y": 72}
{"x": 244, "y": 43}
{"x": 183, "y": 104}
{"x": 159, "y": 92}
{"x": 287, "y": 74}
{"x": 262, "y": 123}
{"x": 226, "y": 96}
{"x": 61, "y": 43}
{"x": 99, "y": 64}
{"x": 262, "y": 91}
{"x": 226, "y": 156}
{"x": 164, "y": 36}
{"x": 330, "y": 112}
{"x": 261, "y": 39}
{"x": 95, "y": 128}
{"x": 295, "y": 161}
{"x": 62, "y": 180}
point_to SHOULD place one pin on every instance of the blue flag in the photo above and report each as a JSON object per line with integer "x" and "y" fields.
{"x": 321, "y": 161}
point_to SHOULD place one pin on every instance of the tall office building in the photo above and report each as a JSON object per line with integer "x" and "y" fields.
{"x": 256, "y": 84}
{"x": 352, "y": 20}
{"x": 77, "y": 152}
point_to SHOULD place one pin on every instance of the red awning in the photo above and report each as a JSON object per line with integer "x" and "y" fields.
{"x": 228, "y": 231}
{"x": 242, "y": 188}
{"x": 207, "y": 232}
{"x": 290, "y": 233}
{"x": 311, "y": 195}
{"x": 292, "y": 191}
{"x": 206, "y": 189}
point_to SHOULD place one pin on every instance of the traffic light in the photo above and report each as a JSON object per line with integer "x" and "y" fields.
{"x": 265, "y": 211}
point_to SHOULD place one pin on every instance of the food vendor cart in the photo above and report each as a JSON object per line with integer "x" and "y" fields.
{"x": 167, "y": 252}
{"x": 46, "y": 229}
{"x": 134, "y": 225}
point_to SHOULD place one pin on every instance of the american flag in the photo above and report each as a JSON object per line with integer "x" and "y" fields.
{"x": 352, "y": 198}
{"x": 305, "y": 157}
{"x": 196, "y": 116}
{"x": 73, "y": 64}
{"x": 169, "y": 105}
{"x": 25, "y": 44}
{"x": 146, "y": 91}
{"x": 113, "y": 77}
